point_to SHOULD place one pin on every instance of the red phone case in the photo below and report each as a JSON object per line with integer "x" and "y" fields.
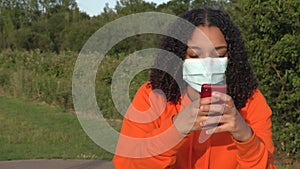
{"x": 207, "y": 89}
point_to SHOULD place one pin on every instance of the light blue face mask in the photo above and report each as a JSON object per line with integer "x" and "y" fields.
{"x": 204, "y": 71}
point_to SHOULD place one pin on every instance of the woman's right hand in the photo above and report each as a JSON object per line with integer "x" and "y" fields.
{"x": 193, "y": 117}
{"x": 188, "y": 120}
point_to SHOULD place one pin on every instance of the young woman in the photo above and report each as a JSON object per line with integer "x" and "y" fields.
{"x": 168, "y": 125}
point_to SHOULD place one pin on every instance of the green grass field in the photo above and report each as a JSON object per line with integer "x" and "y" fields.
{"x": 35, "y": 131}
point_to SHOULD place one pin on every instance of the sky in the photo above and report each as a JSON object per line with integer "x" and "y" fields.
{"x": 95, "y": 7}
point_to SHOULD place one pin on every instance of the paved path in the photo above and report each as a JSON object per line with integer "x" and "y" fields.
{"x": 56, "y": 164}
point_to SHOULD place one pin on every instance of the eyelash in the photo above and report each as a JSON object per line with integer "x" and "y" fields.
{"x": 193, "y": 56}
{"x": 196, "y": 56}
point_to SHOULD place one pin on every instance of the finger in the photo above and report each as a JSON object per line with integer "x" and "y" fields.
{"x": 216, "y": 100}
{"x": 229, "y": 109}
{"x": 205, "y": 101}
{"x": 211, "y": 122}
{"x": 195, "y": 104}
{"x": 205, "y": 110}
{"x": 226, "y": 118}
{"x": 223, "y": 97}
{"x": 213, "y": 108}
{"x": 200, "y": 125}
{"x": 219, "y": 129}
{"x": 202, "y": 112}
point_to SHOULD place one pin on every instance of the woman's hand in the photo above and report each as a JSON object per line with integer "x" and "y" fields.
{"x": 191, "y": 117}
{"x": 188, "y": 120}
{"x": 207, "y": 113}
{"x": 220, "y": 108}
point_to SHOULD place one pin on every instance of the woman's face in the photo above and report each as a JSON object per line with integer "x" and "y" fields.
{"x": 208, "y": 42}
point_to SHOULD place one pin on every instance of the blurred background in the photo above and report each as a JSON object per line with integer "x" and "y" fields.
{"x": 41, "y": 39}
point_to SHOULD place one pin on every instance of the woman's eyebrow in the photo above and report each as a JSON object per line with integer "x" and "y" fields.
{"x": 220, "y": 47}
{"x": 216, "y": 48}
{"x": 195, "y": 47}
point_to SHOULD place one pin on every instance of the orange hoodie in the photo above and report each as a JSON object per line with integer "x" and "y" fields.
{"x": 149, "y": 139}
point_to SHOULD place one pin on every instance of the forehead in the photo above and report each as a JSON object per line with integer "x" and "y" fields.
{"x": 207, "y": 36}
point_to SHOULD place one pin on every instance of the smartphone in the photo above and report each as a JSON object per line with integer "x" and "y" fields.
{"x": 207, "y": 89}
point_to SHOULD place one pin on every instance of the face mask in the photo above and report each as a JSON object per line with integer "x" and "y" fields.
{"x": 204, "y": 71}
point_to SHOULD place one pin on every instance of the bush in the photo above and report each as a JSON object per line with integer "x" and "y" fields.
{"x": 41, "y": 76}
{"x": 272, "y": 35}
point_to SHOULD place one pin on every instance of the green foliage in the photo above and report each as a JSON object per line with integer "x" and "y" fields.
{"x": 126, "y": 7}
{"x": 47, "y": 77}
{"x": 36, "y": 24}
{"x": 103, "y": 85}
{"x": 59, "y": 25}
{"x": 104, "y": 80}
{"x": 45, "y": 29}
{"x": 41, "y": 76}
{"x": 74, "y": 37}
{"x": 176, "y": 7}
{"x": 271, "y": 31}
{"x": 209, "y": 3}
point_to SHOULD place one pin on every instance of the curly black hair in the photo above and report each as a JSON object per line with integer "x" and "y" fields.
{"x": 239, "y": 76}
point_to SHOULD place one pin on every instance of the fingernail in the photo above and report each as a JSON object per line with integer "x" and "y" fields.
{"x": 201, "y": 124}
{"x": 208, "y": 132}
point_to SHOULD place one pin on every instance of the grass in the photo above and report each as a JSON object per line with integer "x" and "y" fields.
{"x": 285, "y": 167}
{"x": 35, "y": 131}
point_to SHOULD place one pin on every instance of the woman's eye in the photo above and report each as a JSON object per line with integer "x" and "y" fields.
{"x": 223, "y": 55}
{"x": 193, "y": 56}
{"x": 193, "y": 53}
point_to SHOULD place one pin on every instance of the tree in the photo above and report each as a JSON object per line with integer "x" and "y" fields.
{"x": 175, "y": 7}
{"x": 208, "y": 3}
{"x": 271, "y": 29}
{"x": 126, "y": 7}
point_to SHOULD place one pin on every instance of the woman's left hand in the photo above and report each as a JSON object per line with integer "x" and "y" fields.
{"x": 220, "y": 108}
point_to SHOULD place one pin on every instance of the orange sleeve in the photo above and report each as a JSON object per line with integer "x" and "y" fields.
{"x": 148, "y": 137}
{"x": 258, "y": 151}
